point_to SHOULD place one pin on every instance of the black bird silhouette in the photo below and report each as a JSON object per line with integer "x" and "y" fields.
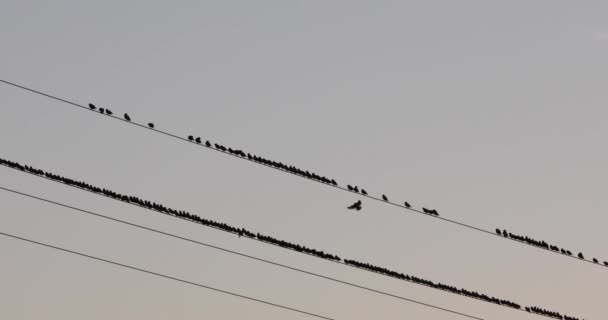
{"x": 407, "y": 205}
{"x": 198, "y": 140}
{"x": 384, "y": 198}
{"x": 127, "y": 117}
{"x": 102, "y": 110}
{"x": 595, "y": 260}
{"x": 151, "y": 125}
{"x": 425, "y": 210}
{"x": 108, "y": 112}
{"x": 355, "y": 206}
{"x": 356, "y": 189}
{"x": 606, "y": 263}
{"x": 498, "y": 231}
{"x": 190, "y": 138}
{"x": 92, "y": 106}
{"x": 580, "y": 255}
{"x": 363, "y": 191}
{"x": 350, "y": 188}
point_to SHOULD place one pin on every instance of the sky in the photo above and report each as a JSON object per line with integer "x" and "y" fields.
{"x": 491, "y": 112}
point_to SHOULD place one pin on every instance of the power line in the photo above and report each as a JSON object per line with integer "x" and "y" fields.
{"x": 229, "y": 229}
{"x": 236, "y": 253}
{"x": 462, "y": 224}
{"x": 167, "y": 277}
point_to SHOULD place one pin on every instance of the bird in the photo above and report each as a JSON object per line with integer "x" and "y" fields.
{"x": 190, "y": 138}
{"x": 355, "y": 206}
{"x": 198, "y": 140}
{"x": 108, "y": 112}
{"x": 363, "y": 191}
{"x": 407, "y": 205}
{"x": 384, "y": 198}
{"x": 580, "y": 255}
{"x": 356, "y": 189}
{"x": 127, "y": 117}
{"x": 101, "y": 110}
{"x": 425, "y": 210}
{"x": 595, "y": 260}
{"x": 350, "y": 188}
{"x": 208, "y": 144}
{"x": 92, "y": 106}
{"x": 151, "y": 125}
{"x": 606, "y": 263}
{"x": 498, "y": 231}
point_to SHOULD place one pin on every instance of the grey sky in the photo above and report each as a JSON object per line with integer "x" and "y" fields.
{"x": 492, "y": 112}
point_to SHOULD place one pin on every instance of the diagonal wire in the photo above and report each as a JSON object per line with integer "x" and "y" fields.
{"x": 236, "y": 253}
{"x": 166, "y": 276}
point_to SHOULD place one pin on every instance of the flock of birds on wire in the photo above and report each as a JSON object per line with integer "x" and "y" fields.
{"x": 154, "y": 206}
{"x": 358, "y": 205}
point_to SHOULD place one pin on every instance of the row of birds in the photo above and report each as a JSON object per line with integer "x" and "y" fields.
{"x": 359, "y": 205}
{"x": 356, "y": 206}
{"x": 110, "y": 113}
{"x": 548, "y": 313}
{"x": 459, "y": 291}
{"x": 244, "y": 232}
{"x": 543, "y": 245}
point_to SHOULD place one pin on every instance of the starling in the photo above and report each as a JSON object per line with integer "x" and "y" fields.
{"x": 407, "y": 205}
{"x": 384, "y": 198}
{"x": 151, "y": 125}
{"x": 355, "y": 206}
{"x": 198, "y": 140}
{"x": 127, "y": 117}
{"x": 92, "y": 106}
{"x": 190, "y": 138}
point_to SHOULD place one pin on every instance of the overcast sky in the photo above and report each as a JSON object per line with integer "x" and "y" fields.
{"x": 492, "y": 112}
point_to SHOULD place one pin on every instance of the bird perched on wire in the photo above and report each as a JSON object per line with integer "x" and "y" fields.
{"x": 198, "y": 140}
{"x": 191, "y": 138}
{"x": 355, "y": 206}
{"x": 407, "y": 205}
{"x": 127, "y": 117}
{"x": 363, "y": 191}
{"x": 151, "y": 125}
{"x": 108, "y": 112}
{"x": 92, "y": 106}
{"x": 384, "y": 198}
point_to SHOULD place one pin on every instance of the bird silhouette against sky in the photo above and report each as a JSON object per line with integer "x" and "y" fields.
{"x": 108, "y": 112}
{"x": 198, "y": 140}
{"x": 407, "y": 205}
{"x": 151, "y": 125}
{"x": 92, "y": 106}
{"x": 127, "y": 117}
{"x": 355, "y": 206}
{"x": 384, "y": 198}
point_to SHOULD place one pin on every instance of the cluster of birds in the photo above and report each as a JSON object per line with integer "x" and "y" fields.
{"x": 108, "y": 112}
{"x": 543, "y": 245}
{"x": 279, "y": 165}
{"x": 460, "y": 291}
{"x": 244, "y": 232}
{"x": 551, "y": 314}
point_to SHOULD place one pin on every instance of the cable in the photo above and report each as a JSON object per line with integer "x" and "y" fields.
{"x": 286, "y": 171}
{"x": 166, "y": 276}
{"x": 235, "y": 252}
{"x": 120, "y": 197}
